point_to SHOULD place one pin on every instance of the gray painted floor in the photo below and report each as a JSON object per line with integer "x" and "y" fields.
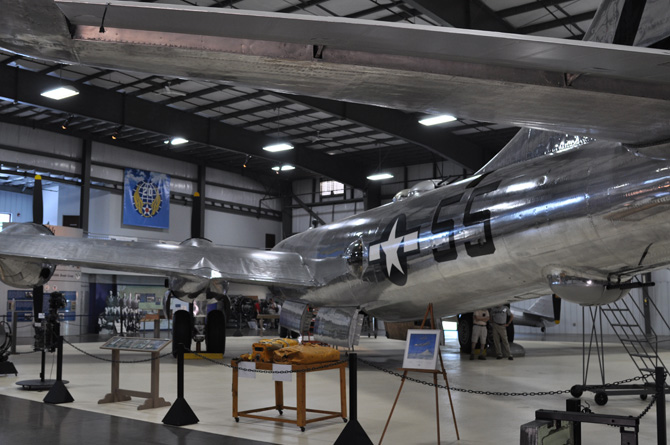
{"x": 548, "y": 365}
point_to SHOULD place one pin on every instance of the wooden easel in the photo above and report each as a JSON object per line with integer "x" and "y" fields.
{"x": 435, "y": 372}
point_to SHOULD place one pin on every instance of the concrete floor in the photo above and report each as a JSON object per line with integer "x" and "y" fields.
{"x": 548, "y": 365}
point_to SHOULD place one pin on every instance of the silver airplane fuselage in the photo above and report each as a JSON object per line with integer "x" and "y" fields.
{"x": 596, "y": 215}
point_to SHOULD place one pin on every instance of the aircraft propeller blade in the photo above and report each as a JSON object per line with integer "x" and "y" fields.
{"x": 556, "y": 301}
{"x": 38, "y": 205}
{"x": 38, "y": 217}
{"x": 196, "y": 221}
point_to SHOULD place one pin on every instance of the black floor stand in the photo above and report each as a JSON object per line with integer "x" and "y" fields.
{"x": 7, "y": 367}
{"x": 180, "y": 413}
{"x": 353, "y": 433}
{"x": 58, "y": 392}
{"x": 40, "y": 384}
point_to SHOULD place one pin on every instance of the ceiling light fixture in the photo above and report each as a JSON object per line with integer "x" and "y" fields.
{"x": 178, "y": 141}
{"x": 60, "y": 92}
{"x": 278, "y": 147}
{"x": 283, "y": 168}
{"x": 117, "y": 132}
{"x": 380, "y": 176}
{"x": 66, "y": 123}
{"x": 246, "y": 161}
{"x": 435, "y": 120}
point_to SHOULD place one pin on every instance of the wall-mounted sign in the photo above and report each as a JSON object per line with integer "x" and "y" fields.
{"x": 146, "y": 198}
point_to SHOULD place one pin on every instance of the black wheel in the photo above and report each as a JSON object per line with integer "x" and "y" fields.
{"x": 302, "y": 428}
{"x": 182, "y": 325}
{"x": 601, "y": 398}
{"x": 643, "y": 397}
{"x": 215, "y": 332}
{"x": 576, "y": 391}
{"x": 464, "y": 330}
{"x": 281, "y": 412}
{"x": 237, "y": 419}
{"x": 344, "y": 419}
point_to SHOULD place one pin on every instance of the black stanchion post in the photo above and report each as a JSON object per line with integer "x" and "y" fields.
{"x": 574, "y": 405}
{"x": 353, "y": 433}
{"x": 661, "y": 425}
{"x": 43, "y": 365}
{"x": 58, "y": 392}
{"x": 180, "y": 413}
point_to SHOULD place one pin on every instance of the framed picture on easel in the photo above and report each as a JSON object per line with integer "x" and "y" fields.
{"x": 421, "y": 349}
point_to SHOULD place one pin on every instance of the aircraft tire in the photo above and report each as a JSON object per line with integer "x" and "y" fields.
{"x": 464, "y": 330}
{"x": 601, "y": 398}
{"x": 576, "y": 391}
{"x": 182, "y": 325}
{"x": 215, "y": 332}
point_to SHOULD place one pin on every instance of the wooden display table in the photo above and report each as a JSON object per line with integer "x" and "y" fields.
{"x": 151, "y": 345}
{"x": 301, "y": 400}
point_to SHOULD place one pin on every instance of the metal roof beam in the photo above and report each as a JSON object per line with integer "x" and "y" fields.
{"x": 405, "y": 126}
{"x": 302, "y": 5}
{"x": 528, "y": 7}
{"x": 570, "y": 20}
{"x": 469, "y": 14}
{"x": 25, "y": 86}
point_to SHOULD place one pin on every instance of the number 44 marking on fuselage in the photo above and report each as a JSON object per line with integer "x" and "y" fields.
{"x": 396, "y": 242}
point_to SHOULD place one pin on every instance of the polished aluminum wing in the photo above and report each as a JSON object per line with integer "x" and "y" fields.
{"x": 195, "y": 258}
{"x": 600, "y": 90}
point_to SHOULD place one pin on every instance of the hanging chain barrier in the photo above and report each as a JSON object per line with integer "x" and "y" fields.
{"x": 396, "y": 374}
{"x": 646, "y": 410}
{"x": 504, "y": 394}
{"x": 523, "y": 394}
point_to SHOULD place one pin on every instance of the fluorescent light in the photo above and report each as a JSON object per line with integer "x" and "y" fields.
{"x": 60, "y": 93}
{"x": 178, "y": 141}
{"x": 434, "y": 120}
{"x": 283, "y": 168}
{"x": 278, "y": 147}
{"x": 380, "y": 176}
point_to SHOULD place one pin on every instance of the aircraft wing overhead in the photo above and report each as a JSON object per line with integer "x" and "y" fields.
{"x": 604, "y": 91}
{"x": 198, "y": 259}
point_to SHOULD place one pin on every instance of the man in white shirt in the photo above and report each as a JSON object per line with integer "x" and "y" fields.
{"x": 501, "y": 316}
{"x": 479, "y": 320}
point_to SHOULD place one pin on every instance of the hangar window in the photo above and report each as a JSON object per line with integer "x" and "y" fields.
{"x": 331, "y": 188}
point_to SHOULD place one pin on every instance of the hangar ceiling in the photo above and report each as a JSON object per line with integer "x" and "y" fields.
{"x": 329, "y": 135}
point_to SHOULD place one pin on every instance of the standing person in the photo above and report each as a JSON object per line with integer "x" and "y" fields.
{"x": 501, "y": 317}
{"x": 479, "y": 320}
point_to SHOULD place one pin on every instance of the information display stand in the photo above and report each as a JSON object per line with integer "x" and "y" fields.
{"x": 301, "y": 402}
{"x": 435, "y": 372}
{"x": 152, "y": 345}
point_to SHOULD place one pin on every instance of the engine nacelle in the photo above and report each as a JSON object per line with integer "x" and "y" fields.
{"x": 190, "y": 288}
{"x": 582, "y": 288}
{"x": 25, "y": 273}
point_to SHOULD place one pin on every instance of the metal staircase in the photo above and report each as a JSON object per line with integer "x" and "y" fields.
{"x": 629, "y": 321}
{"x": 641, "y": 342}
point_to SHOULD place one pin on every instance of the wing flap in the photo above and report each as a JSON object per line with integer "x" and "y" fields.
{"x": 234, "y": 264}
